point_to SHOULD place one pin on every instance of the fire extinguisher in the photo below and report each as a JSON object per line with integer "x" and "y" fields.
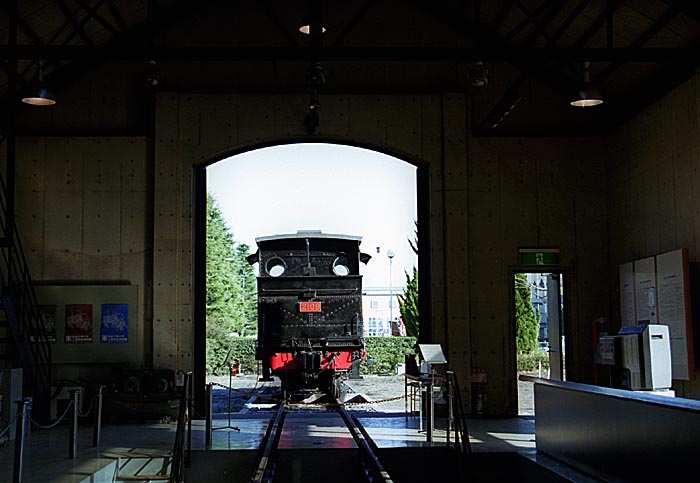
{"x": 478, "y": 383}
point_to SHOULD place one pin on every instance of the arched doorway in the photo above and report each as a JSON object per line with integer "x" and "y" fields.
{"x": 337, "y": 181}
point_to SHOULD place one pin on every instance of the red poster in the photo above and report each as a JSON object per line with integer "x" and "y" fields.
{"x": 78, "y": 323}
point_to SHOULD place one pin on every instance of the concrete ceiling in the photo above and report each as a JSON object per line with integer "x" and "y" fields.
{"x": 534, "y": 51}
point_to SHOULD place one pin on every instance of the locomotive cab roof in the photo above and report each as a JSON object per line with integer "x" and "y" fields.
{"x": 318, "y": 240}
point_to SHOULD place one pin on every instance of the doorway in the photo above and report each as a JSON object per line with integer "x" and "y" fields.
{"x": 540, "y": 339}
{"x": 293, "y": 174}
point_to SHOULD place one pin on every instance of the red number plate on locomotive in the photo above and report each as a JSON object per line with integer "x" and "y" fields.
{"x": 309, "y": 306}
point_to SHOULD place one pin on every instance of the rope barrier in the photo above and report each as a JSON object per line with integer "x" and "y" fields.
{"x": 57, "y": 421}
{"x": 7, "y": 428}
{"x": 285, "y": 401}
{"x": 87, "y": 413}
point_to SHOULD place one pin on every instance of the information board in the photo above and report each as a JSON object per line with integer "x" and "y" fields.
{"x": 673, "y": 293}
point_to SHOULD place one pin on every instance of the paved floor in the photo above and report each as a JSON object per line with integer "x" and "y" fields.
{"x": 46, "y": 450}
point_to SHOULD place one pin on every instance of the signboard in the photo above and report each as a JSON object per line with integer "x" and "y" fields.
{"x": 673, "y": 293}
{"x": 309, "y": 306}
{"x": 78, "y": 323}
{"x": 115, "y": 324}
{"x": 539, "y": 256}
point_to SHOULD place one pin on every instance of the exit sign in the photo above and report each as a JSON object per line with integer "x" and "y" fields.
{"x": 539, "y": 256}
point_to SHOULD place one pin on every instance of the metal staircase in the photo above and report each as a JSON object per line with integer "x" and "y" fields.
{"x": 23, "y": 338}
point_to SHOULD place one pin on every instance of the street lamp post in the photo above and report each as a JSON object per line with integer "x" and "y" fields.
{"x": 390, "y": 254}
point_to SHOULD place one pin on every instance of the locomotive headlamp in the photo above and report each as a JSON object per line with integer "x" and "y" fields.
{"x": 275, "y": 267}
{"x": 340, "y": 266}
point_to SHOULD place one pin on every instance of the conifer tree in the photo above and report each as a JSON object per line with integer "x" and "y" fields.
{"x": 408, "y": 301}
{"x": 526, "y": 322}
{"x": 230, "y": 295}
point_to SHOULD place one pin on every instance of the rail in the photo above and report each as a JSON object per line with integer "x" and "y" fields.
{"x": 183, "y": 442}
{"x": 375, "y": 469}
{"x": 265, "y": 469}
{"x": 267, "y": 462}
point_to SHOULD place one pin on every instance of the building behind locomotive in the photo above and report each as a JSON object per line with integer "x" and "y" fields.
{"x": 310, "y": 328}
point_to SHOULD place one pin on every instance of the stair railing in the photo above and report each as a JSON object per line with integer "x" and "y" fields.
{"x": 183, "y": 434}
{"x": 462, "y": 443}
{"x": 24, "y": 318}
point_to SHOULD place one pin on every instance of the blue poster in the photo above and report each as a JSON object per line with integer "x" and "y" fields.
{"x": 115, "y": 323}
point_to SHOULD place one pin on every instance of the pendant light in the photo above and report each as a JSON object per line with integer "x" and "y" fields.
{"x": 39, "y": 94}
{"x": 588, "y": 95}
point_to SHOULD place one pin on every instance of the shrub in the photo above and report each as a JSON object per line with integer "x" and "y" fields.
{"x": 242, "y": 348}
{"x": 386, "y": 353}
{"x": 530, "y": 362}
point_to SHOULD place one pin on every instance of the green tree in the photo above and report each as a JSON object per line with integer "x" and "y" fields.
{"x": 408, "y": 301}
{"x": 231, "y": 303}
{"x": 526, "y": 322}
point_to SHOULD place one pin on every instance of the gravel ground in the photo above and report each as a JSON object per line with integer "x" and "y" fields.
{"x": 387, "y": 392}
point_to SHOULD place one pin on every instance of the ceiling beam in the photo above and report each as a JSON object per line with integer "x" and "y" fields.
{"x": 93, "y": 12}
{"x": 541, "y": 26}
{"x": 117, "y": 15}
{"x": 215, "y": 53}
{"x": 690, "y": 8}
{"x": 530, "y": 18}
{"x": 350, "y": 26}
{"x": 77, "y": 28}
{"x": 640, "y": 41}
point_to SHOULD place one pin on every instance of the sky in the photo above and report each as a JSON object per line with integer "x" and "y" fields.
{"x": 333, "y": 188}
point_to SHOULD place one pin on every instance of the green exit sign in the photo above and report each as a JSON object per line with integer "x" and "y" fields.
{"x": 539, "y": 256}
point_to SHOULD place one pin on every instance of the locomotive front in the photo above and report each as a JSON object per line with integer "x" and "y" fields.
{"x": 310, "y": 328}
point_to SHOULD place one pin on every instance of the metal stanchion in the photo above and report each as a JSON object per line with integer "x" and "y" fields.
{"x": 190, "y": 415}
{"x": 210, "y": 416}
{"x": 19, "y": 440}
{"x": 429, "y": 420}
{"x": 73, "y": 429}
{"x": 97, "y": 430}
{"x": 450, "y": 412}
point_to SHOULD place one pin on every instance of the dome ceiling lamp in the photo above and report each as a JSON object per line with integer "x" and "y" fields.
{"x": 588, "y": 95}
{"x": 305, "y": 27}
{"x": 39, "y": 94}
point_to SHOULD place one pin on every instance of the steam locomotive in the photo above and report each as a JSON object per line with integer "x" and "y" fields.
{"x": 310, "y": 329}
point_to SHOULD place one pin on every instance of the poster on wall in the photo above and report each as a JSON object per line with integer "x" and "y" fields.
{"x": 645, "y": 291}
{"x": 48, "y": 317}
{"x": 115, "y": 324}
{"x": 627, "y": 294}
{"x": 78, "y": 323}
{"x": 673, "y": 290}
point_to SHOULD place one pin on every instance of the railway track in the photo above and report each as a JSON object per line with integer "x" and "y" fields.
{"x": 358, "y": 463}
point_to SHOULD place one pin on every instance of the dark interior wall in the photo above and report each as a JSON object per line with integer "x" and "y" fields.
{"x": 81, "y": 205}
{"x": 655, "y": 190}
{"x": 84, "y": 203}
{"x": 537, "y": 193}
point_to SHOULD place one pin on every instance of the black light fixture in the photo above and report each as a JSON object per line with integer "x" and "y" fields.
{"x": 588, "y": 95}
{"x": 152, "y": 77}
{"x": 39, "y": 93}
{"x": 479, "y": 76}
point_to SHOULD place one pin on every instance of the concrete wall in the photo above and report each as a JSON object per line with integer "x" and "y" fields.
{"x": 486, "y": 202}
{"x": 530, "y": 193}
{"x": 81, "y": 207}
{"x": 84, "y": 207}
{"x": 655, "y": 188}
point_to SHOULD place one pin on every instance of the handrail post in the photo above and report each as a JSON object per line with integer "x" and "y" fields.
{"x": 209, "y": 424}
{"x": 19, "y": 440}
{"x": 97, "y": 430}
{"x": 190, "y": 414}
{"x": 450, "y": 412}
{"x": 73, "y": 430}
